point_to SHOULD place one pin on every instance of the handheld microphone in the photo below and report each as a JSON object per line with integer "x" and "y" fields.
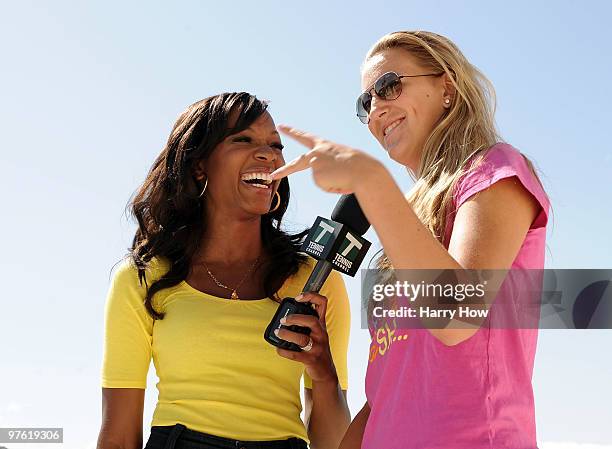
{"x": 336, "y": 244}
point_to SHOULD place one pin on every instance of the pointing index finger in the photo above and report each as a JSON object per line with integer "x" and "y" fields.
{"x": 302, "y": 162}
{"x": 306, "y": 139}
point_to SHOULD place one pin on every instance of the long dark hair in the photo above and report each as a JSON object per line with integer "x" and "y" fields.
{"x": 171, "y": 216}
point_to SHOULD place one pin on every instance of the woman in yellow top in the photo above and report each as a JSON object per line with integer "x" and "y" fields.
{"x": 208, "y": 265}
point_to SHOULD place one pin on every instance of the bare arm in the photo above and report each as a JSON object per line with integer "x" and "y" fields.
{"x": 354, "y": 435}
{"x": 485, "y": 235}
{"x": 326, "y": 414}
{"x": 488, "y": 231}
{"x": 122, "y": 414}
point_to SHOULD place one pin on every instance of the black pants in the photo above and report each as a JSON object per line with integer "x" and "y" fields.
{"x": 180, "y": 437}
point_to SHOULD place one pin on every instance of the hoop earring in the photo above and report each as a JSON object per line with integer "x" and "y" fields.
{"x": 204, "y": 189}
{"x": 277, "y": 203}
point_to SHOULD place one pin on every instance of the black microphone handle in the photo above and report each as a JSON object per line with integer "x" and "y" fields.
{"x": 318, "y": 276}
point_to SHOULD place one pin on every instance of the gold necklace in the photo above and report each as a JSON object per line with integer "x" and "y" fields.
{"x": 233, "y": 290}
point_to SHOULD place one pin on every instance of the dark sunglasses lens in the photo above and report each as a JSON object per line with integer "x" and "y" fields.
{"x": 363, "y": 106}
{"x": 388, "y": 86}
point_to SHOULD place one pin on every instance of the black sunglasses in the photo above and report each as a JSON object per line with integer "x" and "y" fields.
{"x": 387, "y": 87}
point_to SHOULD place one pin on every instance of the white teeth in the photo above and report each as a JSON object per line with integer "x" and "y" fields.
{"x": 264, "y": 177}
{"x": 392, "y": 126}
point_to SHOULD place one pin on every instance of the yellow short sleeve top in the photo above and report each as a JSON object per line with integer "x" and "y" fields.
{"x": 216, "y": 372}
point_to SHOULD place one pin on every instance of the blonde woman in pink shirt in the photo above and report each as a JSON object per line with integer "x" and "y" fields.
{"x": 476, "y": 204}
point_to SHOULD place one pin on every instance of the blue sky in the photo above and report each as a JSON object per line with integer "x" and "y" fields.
{"x": 89, "y": 94}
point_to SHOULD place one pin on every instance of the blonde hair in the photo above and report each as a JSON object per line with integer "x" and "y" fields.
{"x": 466, "y": 129}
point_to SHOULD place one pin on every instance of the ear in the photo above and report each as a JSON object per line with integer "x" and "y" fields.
{"x": 199, "y": 169}
{"x": 449, "y": 90}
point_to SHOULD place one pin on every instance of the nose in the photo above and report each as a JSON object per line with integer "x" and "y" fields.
{"x": 378, "y": 107}
{"x": 265, "y": 154}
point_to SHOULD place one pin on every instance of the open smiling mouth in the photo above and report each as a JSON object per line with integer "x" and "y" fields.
{"x": 392, "y": 126}
{"x": 259, "y": 180}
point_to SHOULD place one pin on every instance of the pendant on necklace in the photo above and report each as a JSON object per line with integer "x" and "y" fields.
{"x": 235, "y": 295}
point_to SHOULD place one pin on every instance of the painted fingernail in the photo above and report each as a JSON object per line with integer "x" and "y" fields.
{"x": 299, "y": 297}
{"x": 276, "y": 332}
{"x": 283, "y": 320}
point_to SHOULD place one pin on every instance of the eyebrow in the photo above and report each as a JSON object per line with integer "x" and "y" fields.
{"x": 249, "y": 129}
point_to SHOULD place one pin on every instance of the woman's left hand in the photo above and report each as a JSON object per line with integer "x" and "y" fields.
{"x": 318, "y": 360}
{"x": 335, "y": 168}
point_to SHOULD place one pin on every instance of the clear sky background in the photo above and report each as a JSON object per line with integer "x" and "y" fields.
{"x": 89, "y": 92}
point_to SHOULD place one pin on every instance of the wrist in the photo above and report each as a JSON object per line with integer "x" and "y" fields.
{"x": 374, "y": 172}
{"x": 325, "y": 375}
{"x": 330, "y": 380}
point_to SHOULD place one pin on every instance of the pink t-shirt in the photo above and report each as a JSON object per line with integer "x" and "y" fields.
{"x": 477, "y": 394}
